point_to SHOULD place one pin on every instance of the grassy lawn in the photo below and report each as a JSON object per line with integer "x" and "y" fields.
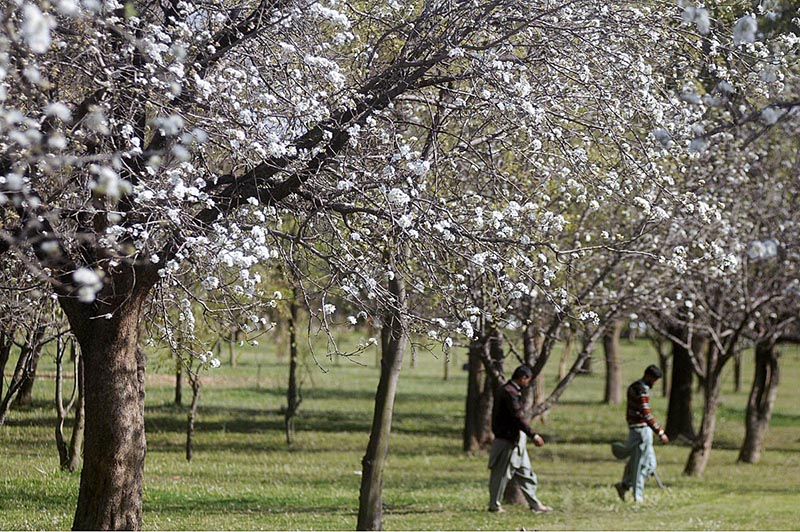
{"x": 244, "y": 476}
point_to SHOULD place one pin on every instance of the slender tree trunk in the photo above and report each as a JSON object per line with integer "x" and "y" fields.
{"x": 232, "y": 349}
{"x": 701, "y": 448}
{"x": 25, "y": 353}
{"x": 679, "y": 411}
{"x": 663, "y": 365}
{"x": 564, "y": 362}
{"x": 293, "y": 391}
{"x": 761, "y": 401}
{"x": 613, "y": 393}
{"x": 178, "y": 380}
{"x": 586, "y": 367}
{"x": 79, "y": 423}
{"x": 6, "y": 342}
{"x": 393, "y": 346}
{"x": 25, "y": 394}
{"x": 194, "y": 380}
{"x": 110, "y": 495}
{"x": 61, "y": 409}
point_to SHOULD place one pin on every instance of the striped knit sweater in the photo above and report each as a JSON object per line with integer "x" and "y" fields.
{"x": 638, "y": 412}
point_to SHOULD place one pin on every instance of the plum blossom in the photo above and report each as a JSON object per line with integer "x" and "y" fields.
{"x": 398, "y": 197}
{"x": 36, "y": 29}
{"x": 89, "y": 284}
{"x": 744, "y": 31}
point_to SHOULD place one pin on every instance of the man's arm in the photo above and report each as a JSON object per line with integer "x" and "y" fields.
{"x": 647, "y": 414}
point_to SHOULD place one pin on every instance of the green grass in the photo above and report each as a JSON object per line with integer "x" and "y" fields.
{"x": 244, "y": 476}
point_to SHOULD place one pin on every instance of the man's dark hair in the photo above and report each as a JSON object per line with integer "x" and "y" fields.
{"x": 522, "y": 371}
{"x": 653, "y": 371}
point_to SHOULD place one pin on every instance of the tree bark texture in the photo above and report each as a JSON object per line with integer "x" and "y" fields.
{"x": 476, "y": 383}
{"x": 613, "y": 392}
{"x": 393, "y": 345}
{"x": 110, "y": 496}
{"x": 680, "y": 422}
{"x": 761, "y": 401}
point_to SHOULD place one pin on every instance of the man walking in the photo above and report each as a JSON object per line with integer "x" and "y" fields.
{"x": 508, "y": 458}
{"x": 639, "y": 447}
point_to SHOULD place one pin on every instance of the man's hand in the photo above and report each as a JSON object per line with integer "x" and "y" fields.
{"x": 664, "y": 438}
{"x": 537, "y": 440}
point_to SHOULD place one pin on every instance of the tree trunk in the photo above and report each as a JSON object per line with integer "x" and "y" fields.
{"x": 31, "y": 346}
{"x": 79, "y": 423}
{"x": 293, "y": 391}
{"x": 701, "y": 448}
{"x": 393, "y": 345}
{"x": 761, "y": 402}
{"x": 532, "y": 342}
{"x": 564, "y": 362}
{"x": 6, "y": 342}
{"x": 178, "y": 380}
{"x": 110, "y": 495}
{"x": 64, "y": 451}
{"x": 613, "y": 393}
{"x": 476, "y": 383}
{"x": 194, "y": 380}
{"x": 679, "y": 411}
{"x": 586, "y": 366}
{"x": 25, "y": 394}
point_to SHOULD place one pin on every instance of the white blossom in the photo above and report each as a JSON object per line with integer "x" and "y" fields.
{"x": 36, "y": 28}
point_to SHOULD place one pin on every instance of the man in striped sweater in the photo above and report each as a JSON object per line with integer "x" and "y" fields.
{"x": 642, "y": 425}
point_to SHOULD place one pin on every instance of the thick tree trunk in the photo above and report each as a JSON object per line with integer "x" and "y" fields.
{"x": 476, "y": 383}
{"x": 761, "y": 402}
{"x": 613, "y": 392}
{"x": 110, "y": 496}
{"x": 493, "y": 351}
{"x": 701, "y": 448}
{"x": 679, "y": 411}
{"x": 393, "y": 346}
{"x": 293, "y": 391}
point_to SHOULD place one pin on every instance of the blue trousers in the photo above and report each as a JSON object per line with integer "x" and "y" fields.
{"x": 642, "y": 461}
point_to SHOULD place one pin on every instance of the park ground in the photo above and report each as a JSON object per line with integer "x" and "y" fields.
{"x": 244, "y": 476}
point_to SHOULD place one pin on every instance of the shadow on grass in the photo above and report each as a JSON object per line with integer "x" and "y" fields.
{"x": 164, "y": 502}
{"x": 36, "y": 497}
